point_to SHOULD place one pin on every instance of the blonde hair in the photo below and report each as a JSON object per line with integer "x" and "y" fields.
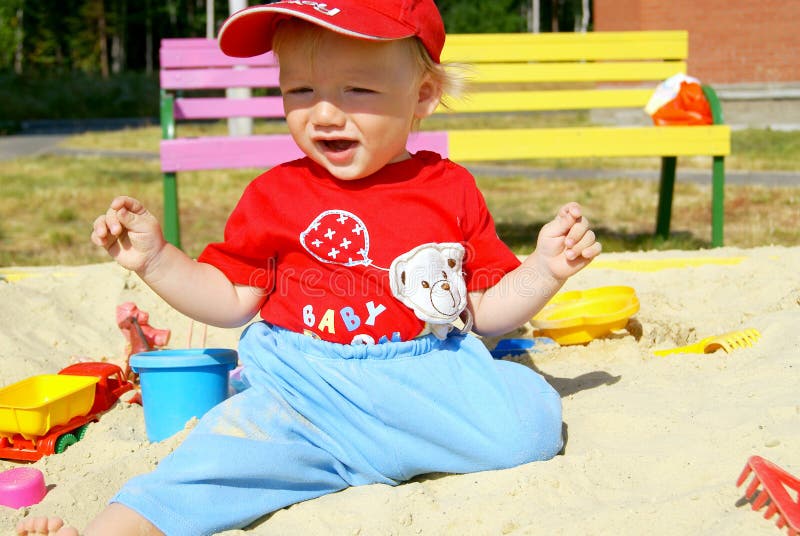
{"x": 450, "y": 77}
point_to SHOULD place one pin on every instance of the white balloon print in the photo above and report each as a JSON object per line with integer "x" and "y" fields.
{"x": 337, "y": 237}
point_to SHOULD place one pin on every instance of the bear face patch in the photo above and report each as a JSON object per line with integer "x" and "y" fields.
{"x": 429, "y": 280}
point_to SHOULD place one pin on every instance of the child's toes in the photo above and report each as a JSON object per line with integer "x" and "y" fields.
{"x": 44, "y": 526}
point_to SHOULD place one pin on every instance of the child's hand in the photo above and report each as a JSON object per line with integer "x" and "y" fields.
{"x": 566, "y": 244}
{"x": 129, "y": 232}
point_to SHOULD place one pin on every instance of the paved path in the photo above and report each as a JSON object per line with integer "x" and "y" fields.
{"x": 30, "y": 145}
{"x": 14, "y": 146}
{"x": 39, "y": 144}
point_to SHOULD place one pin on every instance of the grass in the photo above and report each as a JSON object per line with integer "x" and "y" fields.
{"x": 49, "y": 202}
{"x": 623, "y": 212}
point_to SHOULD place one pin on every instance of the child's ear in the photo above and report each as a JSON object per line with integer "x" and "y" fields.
{"x": 430, "y": 94}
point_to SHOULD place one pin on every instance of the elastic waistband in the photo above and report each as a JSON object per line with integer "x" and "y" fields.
{"x": 292, "y": 341}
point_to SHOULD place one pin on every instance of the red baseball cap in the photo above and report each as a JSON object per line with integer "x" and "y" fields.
{"x": 249, "y": 32}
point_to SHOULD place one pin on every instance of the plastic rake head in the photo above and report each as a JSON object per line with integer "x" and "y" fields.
{"x": 777, "y": 487}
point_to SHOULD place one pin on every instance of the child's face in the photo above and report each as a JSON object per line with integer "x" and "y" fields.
{"x": 351, "y": 103}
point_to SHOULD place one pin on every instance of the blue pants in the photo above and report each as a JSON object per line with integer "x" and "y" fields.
{"x": 320, "y": 417}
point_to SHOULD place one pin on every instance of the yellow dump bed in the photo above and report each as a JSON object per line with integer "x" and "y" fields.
{"x": 33, "y": 406}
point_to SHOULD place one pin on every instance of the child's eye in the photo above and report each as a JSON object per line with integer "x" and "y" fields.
{"x": 362, "y": 90}
{"x": 297, "y": 91}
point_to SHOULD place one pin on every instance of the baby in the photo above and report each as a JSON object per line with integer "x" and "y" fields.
{"x": 359, "y": 259}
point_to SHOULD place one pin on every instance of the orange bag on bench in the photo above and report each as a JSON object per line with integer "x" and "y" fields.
{"x": 679, "y": 100}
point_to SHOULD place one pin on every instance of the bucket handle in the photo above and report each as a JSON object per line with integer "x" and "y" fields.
{"x": 202, "y": 336}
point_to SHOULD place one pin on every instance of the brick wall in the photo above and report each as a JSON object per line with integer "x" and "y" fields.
{"x": 730, "y": 41}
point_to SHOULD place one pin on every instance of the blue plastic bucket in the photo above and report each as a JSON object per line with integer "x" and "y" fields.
{"x": 180, "y": 384}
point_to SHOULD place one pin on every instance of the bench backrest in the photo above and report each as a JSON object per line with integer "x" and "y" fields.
{"x": 610, "y": 57}
{"x": 607, "y": 62}
{"x": 198, "y": 64}
{"x": 509, "y": 73}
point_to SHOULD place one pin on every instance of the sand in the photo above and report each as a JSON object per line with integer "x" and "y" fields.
{"x": 655, "y": 444}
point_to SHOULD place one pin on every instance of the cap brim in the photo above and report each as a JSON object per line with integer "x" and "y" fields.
{"x": 249, "y": 31}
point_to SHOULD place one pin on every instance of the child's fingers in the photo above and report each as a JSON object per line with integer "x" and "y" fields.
{"x": 135, "y": 216}
{"x": 564, "y": 220}
{"x": 129, "y": 203}
{"x": 575, "y": 233}
{"x": 117, "y": 218}
{"x": 101, "y": 234}
{"x": 587, "y": 247}
{"x": 99, "y": 228}
{"x": 124, "y": 213}
{"x": 592, "y": 251}
{"x": 578, "y": 231}
{"x": 112, "y": 221}
{"x": 572, "y": 209}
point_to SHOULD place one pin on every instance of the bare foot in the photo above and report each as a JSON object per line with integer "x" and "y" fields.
{"x": 44, "y": 526}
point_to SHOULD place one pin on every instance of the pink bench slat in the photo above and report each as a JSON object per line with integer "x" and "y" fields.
{"x": 435, "y": 141}
{"x": 184, "y": 58}
{"x": 221, "y": 107}
{"x": 219, "y": 78}
{"x": 220, "y": 152}
{"x": 187, "y": 42}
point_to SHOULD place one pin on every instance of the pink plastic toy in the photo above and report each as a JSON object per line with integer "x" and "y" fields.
{"x": 21, "y": 486}
{"x": 139, "y": 334}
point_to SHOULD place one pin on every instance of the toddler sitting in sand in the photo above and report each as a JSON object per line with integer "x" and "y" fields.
{"x": 359, "y": 259}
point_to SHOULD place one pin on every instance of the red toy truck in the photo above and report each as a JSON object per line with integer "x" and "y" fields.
{"x": 45, "y": 414}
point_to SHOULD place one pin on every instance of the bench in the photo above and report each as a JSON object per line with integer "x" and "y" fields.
{"x": 512, "y": 73}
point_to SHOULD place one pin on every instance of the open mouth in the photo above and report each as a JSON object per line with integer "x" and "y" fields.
{"x": 337, "y": 146}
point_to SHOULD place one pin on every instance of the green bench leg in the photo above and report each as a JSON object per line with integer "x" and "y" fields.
{"x": 171, "y": 223}
{"x": 718, "y": 201}
{"x": 664, "y": 214}
{"x": 172, "y": 229}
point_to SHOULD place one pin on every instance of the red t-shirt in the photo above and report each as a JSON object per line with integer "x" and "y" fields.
{"x": 322, "y": 246}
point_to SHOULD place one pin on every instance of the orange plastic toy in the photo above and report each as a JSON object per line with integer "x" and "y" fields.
{"x": 775, "y": 482}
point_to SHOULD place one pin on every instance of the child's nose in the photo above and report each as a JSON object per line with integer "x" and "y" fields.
{"x": 327, "y": 113}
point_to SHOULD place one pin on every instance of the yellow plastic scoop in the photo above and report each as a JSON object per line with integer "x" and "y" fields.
{"x": 728, "y": 342}
{"x": 579, "y": 316}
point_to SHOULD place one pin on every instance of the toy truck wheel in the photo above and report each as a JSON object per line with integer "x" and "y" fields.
{"x": 80, "y": 433}
{"x": 64, "y": 442}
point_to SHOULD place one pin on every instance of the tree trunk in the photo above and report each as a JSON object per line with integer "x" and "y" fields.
{"x": 19, "y": 37}
{"x": 118, "y": 37}
{"x": 102, "y": 38}
{"x": 116, "y": 54}
{"x": 172, "y": 11}
{"x": 148, "y": 39}
{"x": 554, "y": 18}
{"x": 586, "y": 13}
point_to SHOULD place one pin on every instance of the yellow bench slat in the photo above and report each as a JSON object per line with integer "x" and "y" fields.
{"x": 632, "y": 71}
{"x": 578, "y": 99}
{"x": 630, "y": 37}
{"x": 566, "y": 46}
{"x": 523, "y": 144}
